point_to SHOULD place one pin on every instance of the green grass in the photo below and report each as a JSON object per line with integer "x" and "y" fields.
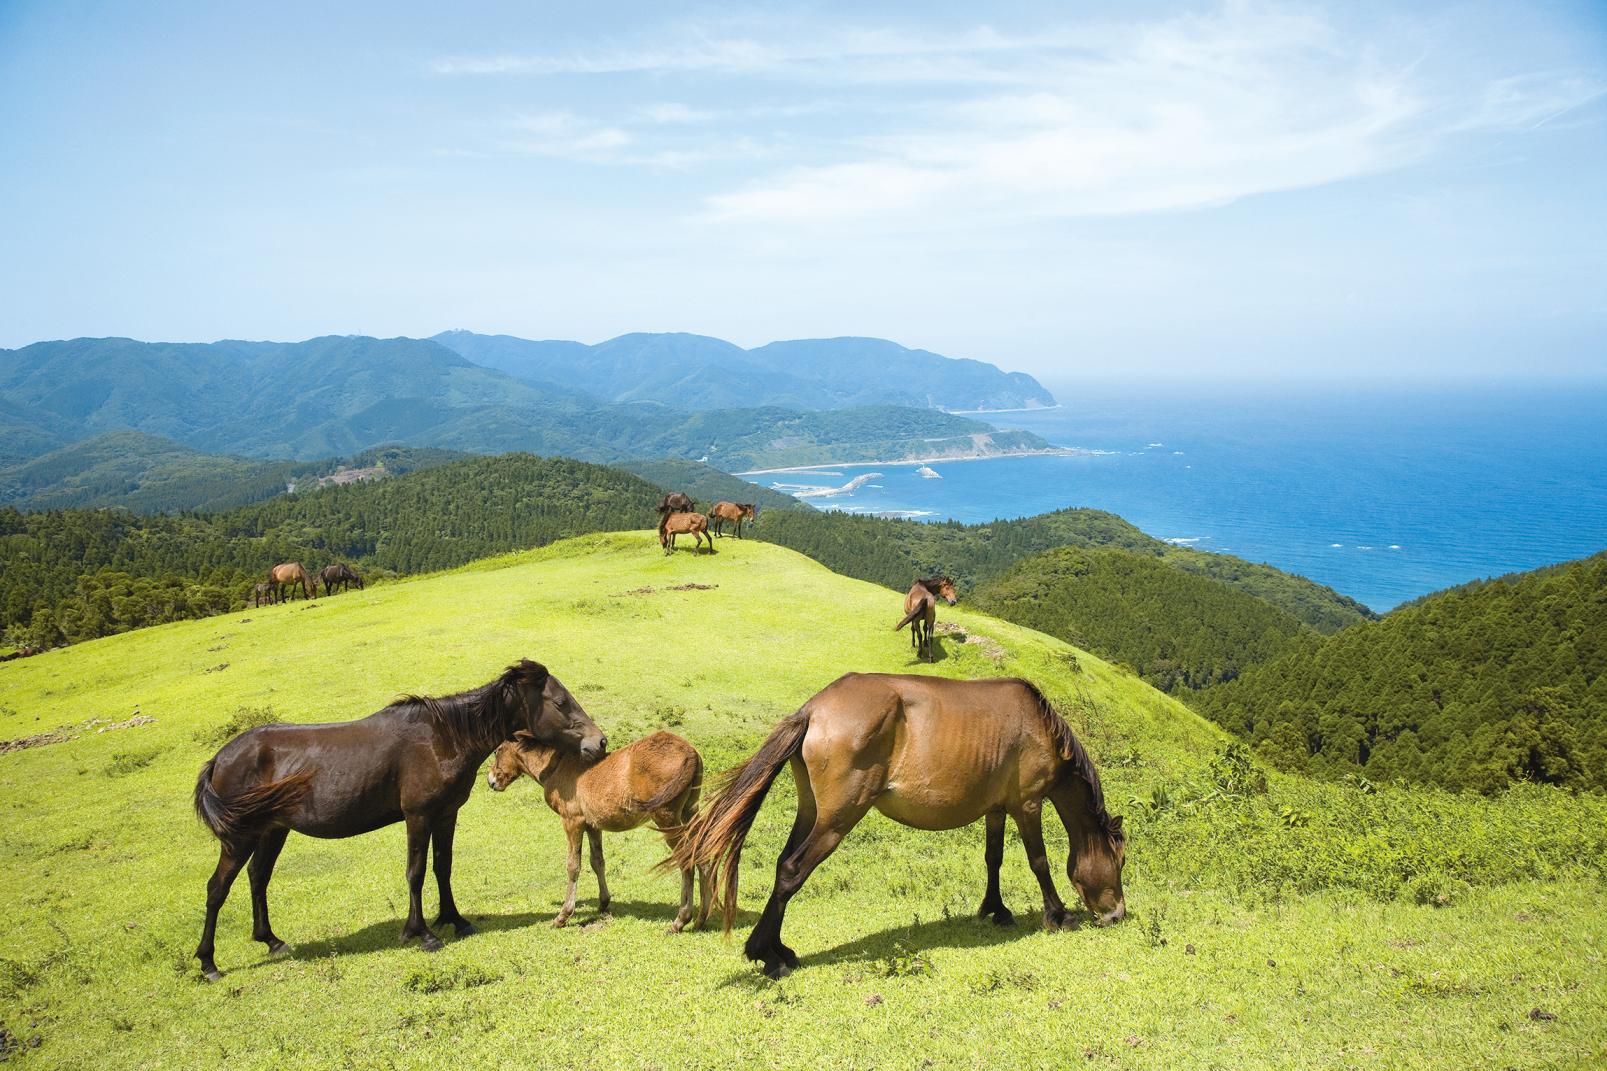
{"x": 1269, "y": 928}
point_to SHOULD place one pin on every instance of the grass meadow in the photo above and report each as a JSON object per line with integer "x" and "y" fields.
{"x": 1272, "y": 924}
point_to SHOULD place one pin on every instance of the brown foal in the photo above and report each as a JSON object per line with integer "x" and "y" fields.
{"x": 657, "y": 779}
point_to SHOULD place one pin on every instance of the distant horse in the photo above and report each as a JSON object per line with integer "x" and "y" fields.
{"x": 339, "y": 573}
{"x": 674, "y": 524}
{"x": 733, "y": 511}
{"x": 265, "y": 594}
{"x": 289, "y": 576}
{"x": 657, "y": 779}
{"x": 929, "y": 753}
{"x": 414, "y": 761}
{"x": 675, "y": 502}
{"x": 920, "y": 611}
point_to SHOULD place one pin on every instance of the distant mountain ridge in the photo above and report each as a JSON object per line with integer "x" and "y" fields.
{"x": 699, "y": 372}
{"x": 336, "y": 396}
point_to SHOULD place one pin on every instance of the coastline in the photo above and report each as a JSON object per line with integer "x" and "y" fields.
{"x": 1053, "y": 451}
{"x": 1018, "y": 409}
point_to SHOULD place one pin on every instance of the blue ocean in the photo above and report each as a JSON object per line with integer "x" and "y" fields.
{"x": 1384, "y": 495}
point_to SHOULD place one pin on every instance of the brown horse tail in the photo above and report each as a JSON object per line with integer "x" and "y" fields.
{"x": 715, "y": 837}
{"x": 241, "y": 814}
{"x": 920, "y": 608}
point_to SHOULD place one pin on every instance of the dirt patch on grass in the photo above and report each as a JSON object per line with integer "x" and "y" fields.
{"x": 672, "y": 587}
{"x": 63, "y": 733}
{"x": 989, "y": 646}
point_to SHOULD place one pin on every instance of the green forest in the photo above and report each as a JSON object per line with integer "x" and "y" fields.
{"x": 1178, "y": 630}
{"x": 1470, "y": 688}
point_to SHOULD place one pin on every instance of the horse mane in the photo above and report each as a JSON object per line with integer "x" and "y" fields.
{"x": 935, "y": 581}
{"x": 1078, "y": 762}
{"x": 469, "y": 717}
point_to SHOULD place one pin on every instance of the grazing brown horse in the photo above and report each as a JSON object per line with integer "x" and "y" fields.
{"x": 676, "y": 502}
{"x": 733, "y": 511}
{"x": 265, "y": 594}
{"x": 920, "y": 611}
{"x": 657, "y": 779}
{"x": 289, "y": 576}
{"x": 340, "y": 573}
{"x": 929, "y": 753}
{"x": 414, "y": 761}
{"x": 674, "y": 524}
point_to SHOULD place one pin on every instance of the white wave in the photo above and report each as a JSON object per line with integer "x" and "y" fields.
{"x": 1394, "y": 546}
{"x": 1183, "y": 541}
{"x": 1336, "y": 546}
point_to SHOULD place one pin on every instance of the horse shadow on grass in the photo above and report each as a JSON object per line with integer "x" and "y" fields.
{"x": 938, "y": 654}
{"x": 385, "y": 935}
{"x": 957, "y": 932}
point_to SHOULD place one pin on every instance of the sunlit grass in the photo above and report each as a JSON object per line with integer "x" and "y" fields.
{"x": 1305, "y": 947}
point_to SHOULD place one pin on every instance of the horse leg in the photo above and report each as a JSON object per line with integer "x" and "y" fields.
{"x": 231, "y": 857}
{"x": 441, "y": 840}
{"x": 833, "y": 818}
{"x": 261, "y": 872}
{"x": 418, "y": 850}
{"x": 1029, "y": 823}
{"x": 993, "y": 856}
{"x": 594, "y": 839}
{"x": 573, "y": 831}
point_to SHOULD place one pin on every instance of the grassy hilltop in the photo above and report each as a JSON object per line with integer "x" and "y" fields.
{"x": 1273, "y": 925}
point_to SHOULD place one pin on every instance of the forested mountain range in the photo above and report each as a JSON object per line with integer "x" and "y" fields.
{"x": 1469, "y": 688}
{"x": 698, "y": 372}
{"x": 1178, "y": 630}
{"x": 450, "y": 514}
{"x": 150, "y": 474}
{"x": 339, "y": 395}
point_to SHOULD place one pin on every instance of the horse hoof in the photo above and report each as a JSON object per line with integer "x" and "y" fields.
{"x": 278, "y": 948}
{"x": 560, "y": 922}
{"x": 427, "y": 941}
{"x": 1004, "y": 917}
{"x": 212, "y": 975}
{"x": 467, "y": 928}
{"x": 677, "y": 926}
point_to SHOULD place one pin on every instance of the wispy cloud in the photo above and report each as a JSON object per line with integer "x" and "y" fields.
{"x": 1102, "y": 119}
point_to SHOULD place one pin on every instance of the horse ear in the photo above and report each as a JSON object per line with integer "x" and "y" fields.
{"x": 524, "y": 736}
{"x": 1116, "y": 826}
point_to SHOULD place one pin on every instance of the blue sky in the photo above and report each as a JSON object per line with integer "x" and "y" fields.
{"x": 1128, "y": 190}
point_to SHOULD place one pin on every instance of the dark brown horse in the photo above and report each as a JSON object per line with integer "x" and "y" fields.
{"x": 340, "y": 573}
{"x": 265, "y": 594}
{"x": 285, "y": 579}
{"x": 671, "y": 525}
{"x": 414, "y": 761}
{"x": 920, "y": 611}
{"x": 675, "y": 502}
{"x": 929, "y": 753}
{"x": 732, "y": 511}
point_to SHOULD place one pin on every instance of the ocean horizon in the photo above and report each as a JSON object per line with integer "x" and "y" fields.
{"x": 1384, "y": 494}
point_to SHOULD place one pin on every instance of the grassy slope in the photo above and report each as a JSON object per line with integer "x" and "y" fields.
{"x": 101, "y": 854}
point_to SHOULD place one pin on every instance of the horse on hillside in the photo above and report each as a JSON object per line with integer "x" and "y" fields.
{"x": 674, "y": 524}
{"x": 289, "y": 576}
{"x": 929, "y": 753}
{"x": 414, "y": 761}
{"x": 657, "y": 779}
{"x": 675, "y": 502}
{"x": 733, "y": 511}
{"x": 339, "y": 573}
{"x": 264, "y": 594}
{"x": 920, "y": 611}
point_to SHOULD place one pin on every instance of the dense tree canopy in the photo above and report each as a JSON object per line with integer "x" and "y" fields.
{"x": 1470, "y": 688}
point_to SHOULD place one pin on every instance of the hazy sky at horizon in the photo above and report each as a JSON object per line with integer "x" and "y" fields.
{"x": 1330, "y": 190}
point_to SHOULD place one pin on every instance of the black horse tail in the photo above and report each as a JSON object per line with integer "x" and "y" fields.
{"x": 241, "y": 814}
{"x": 920, "y": 609}
{"x": 715, "y": 837}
